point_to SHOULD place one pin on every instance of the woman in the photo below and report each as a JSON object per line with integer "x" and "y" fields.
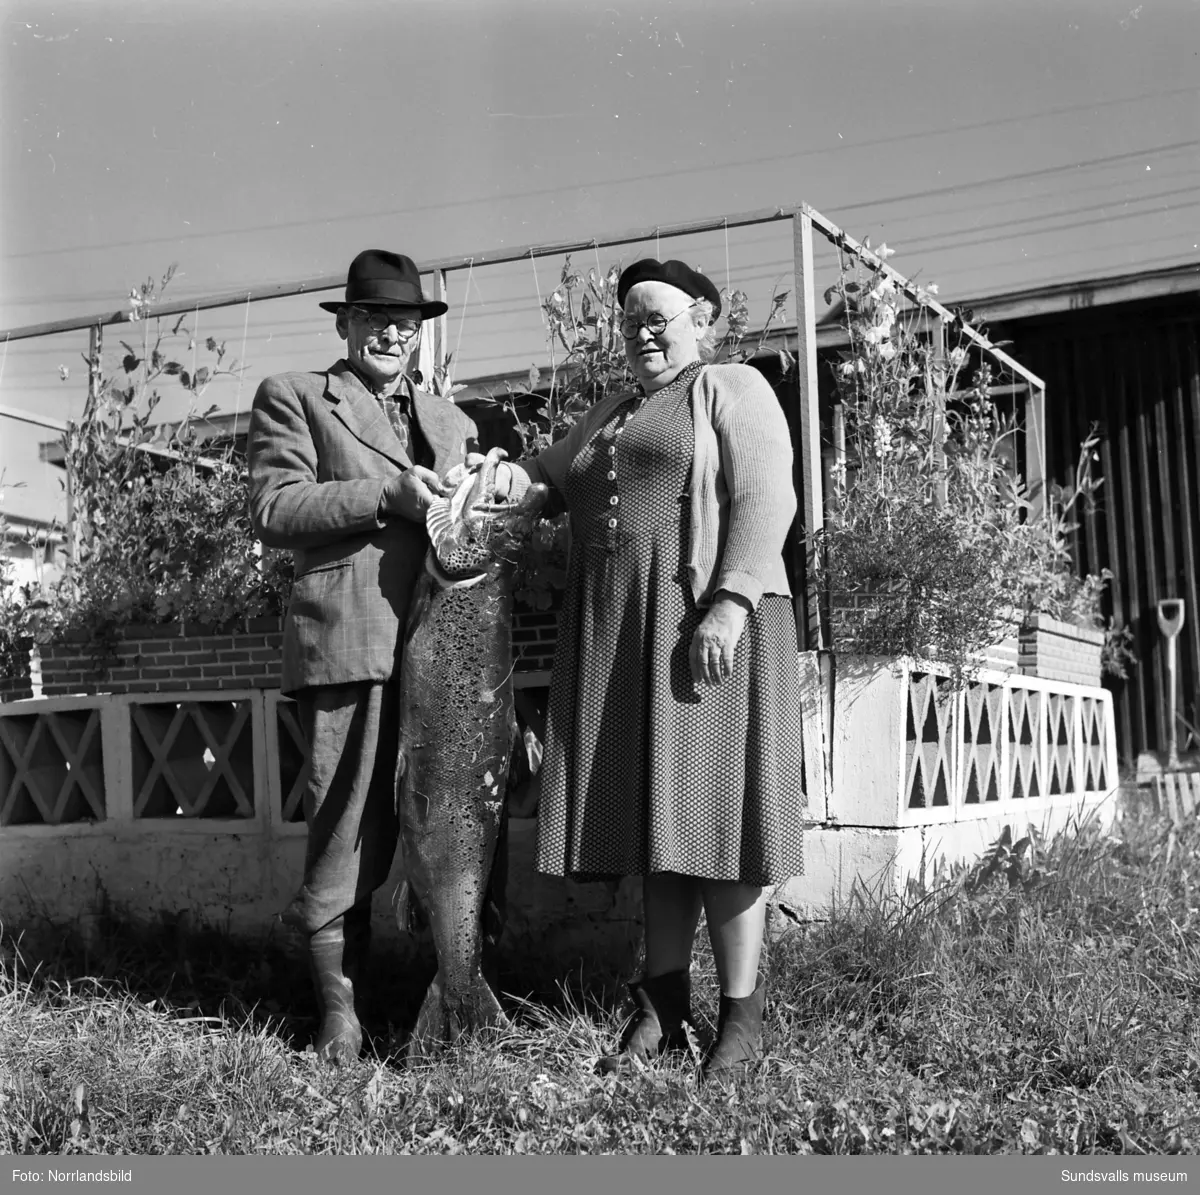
{"x": 673, "y": 734}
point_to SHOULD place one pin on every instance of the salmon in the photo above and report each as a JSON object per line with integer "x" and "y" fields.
{"x": 457, "y": 736}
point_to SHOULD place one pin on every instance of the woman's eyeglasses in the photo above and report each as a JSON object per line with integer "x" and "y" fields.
{"x": 655, "y": 325}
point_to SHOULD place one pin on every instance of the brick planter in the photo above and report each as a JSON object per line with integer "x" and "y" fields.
{"x": 172, "y": 657}
{"x": 1057, "y": 650}
{"x": 845, "y": 609}
{"x": 15, "y": 688}
{"x": 534, "y": 635}
{"x": 18, "y": 685}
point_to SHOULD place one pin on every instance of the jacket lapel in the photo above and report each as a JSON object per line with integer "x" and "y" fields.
{"x": 441, "y": 428}
{"x": 361, "y": 414}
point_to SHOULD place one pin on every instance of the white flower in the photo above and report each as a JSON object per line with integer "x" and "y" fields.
{"x": 887, "y": 350}
{"x": 884, "y": 252}
{"x": 958, "y": 356}
{"x": 874, "y": 334}
{"x": 932, "y": 288}
{"x": 883, "y": 436}
{"x": 64, "y": 372}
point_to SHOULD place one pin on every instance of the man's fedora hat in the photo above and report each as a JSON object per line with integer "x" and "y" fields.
{"x": 378, "y": 278}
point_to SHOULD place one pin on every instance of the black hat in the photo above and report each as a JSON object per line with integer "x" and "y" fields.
{"x": 674, "y": 273}
{"x": 378, "y": 278}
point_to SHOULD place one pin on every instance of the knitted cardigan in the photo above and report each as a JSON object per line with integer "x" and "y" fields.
{"x": 741, "y": 496}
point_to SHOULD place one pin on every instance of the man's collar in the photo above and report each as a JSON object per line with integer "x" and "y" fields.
{"x": 402, "y": 393}
{"x": 344, "y": 377}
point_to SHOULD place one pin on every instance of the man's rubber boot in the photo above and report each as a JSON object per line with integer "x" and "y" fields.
{"x": 340, "y": 1036}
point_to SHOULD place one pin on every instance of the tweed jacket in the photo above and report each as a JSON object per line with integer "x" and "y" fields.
{"x": 321, "y": 449}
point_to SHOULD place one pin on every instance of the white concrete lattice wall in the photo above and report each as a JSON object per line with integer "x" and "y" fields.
{"x": 173, "y": 802}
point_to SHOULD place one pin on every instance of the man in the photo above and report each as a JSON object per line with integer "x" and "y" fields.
{"x": 343, "y": 466}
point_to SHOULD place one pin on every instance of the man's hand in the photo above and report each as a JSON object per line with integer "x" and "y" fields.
{"x": 408, "y": 496}
{"x": 713, "y": 645}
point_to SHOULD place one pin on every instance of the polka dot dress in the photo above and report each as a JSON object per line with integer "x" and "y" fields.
{"x": 644, "y": 771}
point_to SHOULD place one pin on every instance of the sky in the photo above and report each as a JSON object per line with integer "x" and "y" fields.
{"x": 995, "y": 147}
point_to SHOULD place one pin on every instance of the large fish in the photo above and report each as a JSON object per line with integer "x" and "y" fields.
{"x": 457, "y": 735}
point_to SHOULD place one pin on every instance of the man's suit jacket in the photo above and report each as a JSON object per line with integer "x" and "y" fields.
{"x": 321, "y": 449}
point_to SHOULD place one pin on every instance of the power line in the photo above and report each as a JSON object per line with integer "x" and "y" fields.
{"x": 773, "y": 232}
{"x": 999, "y": 180}
{"x": 706, "y": 168}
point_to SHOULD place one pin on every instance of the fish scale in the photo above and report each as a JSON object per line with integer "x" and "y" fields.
{"x": 456, "y": 739}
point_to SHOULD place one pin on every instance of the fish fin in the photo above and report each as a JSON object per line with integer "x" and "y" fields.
{"x": 445, "y": 512}
{"x": 439, "y": 519}
{"x": 411, "y": 918}
{"x": 418, "y": 606}
{"x": 495, "y": 901}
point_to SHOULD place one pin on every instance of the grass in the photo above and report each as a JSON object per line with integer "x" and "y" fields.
{"x": 1047, "y": 1000}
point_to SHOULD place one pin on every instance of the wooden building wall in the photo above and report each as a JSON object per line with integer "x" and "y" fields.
{"x": 1133, "y": 369}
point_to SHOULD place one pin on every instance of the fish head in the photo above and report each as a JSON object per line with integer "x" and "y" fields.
{"x": 472, "y": 534}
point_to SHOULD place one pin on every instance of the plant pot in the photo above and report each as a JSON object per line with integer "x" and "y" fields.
{"x": 1063, "y": 651}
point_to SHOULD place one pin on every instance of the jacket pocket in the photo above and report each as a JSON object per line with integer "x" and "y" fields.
{"x": 322, "y": 570}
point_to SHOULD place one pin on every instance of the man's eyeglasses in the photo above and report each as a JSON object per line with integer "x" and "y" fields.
{"x": 655, "y": 325}
{"x": 380, "y": 320}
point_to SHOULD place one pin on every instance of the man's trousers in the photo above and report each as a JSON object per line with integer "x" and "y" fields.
{"x": 350, "y": 801}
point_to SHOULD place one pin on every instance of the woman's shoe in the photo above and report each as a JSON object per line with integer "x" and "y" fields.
{"x": 739, "y": 1035}
{"x": 664, "y": 1003}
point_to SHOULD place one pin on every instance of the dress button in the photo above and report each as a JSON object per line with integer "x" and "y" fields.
{"x": 613, "y": 500}
{"x": 612, "y": 522}
{"x": 612, "y": 476}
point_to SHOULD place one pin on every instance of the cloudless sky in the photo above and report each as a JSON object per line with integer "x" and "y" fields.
{"x": 995, "y": 146}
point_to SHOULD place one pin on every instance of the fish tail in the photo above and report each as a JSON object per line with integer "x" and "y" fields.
{"x": 446, "y": 1016}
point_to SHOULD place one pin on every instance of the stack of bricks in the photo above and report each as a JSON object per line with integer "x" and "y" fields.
{"x": 1061, "y": 651}
{"x": 16, "y": 683}
{"x": 1004, "y": 656}
{"x": 846, "y": 611}
{"x": 167, "y": 659}
{"x": 534, "y": 634}
{"x": 15, "y": 688}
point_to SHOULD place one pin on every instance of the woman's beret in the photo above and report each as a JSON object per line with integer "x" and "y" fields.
{"x": 674, "y": 273}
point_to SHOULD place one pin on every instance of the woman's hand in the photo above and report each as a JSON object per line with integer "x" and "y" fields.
{"x": 715, "y": 642}
{"x": 454, "y": 477}
{"x": 504, "y": 477}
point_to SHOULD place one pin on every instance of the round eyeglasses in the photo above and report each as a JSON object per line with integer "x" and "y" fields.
{"x": 655, "y": 325}
{"x": 381, "y": 320}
